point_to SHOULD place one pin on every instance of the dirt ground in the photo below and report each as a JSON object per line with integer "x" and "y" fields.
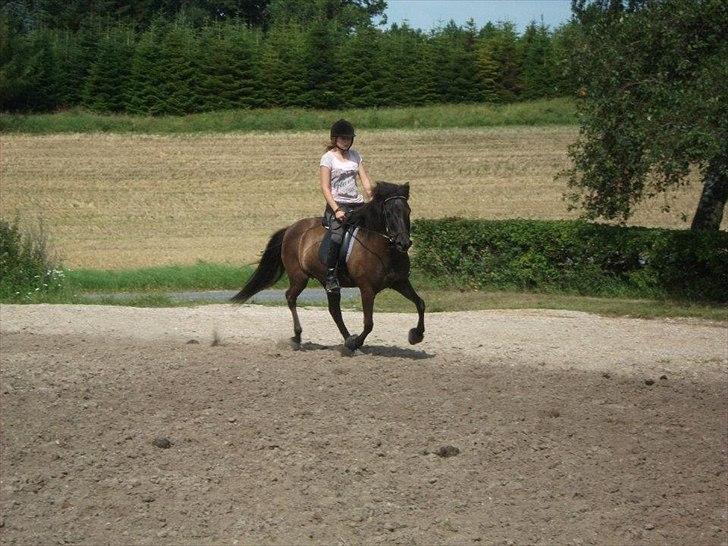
{"x": 506, "y": 427}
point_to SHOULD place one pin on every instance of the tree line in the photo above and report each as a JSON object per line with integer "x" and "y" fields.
{"x": 184, "y": 65}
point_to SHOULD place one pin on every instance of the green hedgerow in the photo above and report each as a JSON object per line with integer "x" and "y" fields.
{"x": 574, "y": 257}
{"x": 26, "y": 270}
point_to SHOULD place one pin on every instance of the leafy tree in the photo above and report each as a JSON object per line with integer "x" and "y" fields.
{"x": 653, "y": 75}
{"x": 73, "y": 14}
{"x": 347, "y": 14}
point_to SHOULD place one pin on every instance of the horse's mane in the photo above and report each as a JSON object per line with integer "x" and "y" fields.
{"x": 371, "y": 215}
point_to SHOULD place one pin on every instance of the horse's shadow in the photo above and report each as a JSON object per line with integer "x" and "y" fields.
{"x": 373, "y": 350}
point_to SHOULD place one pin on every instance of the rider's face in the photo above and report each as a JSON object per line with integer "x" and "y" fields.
{"x": 343, "y": 142}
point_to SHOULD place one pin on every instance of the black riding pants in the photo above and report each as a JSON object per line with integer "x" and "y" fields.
{"x": 336, "y": 226}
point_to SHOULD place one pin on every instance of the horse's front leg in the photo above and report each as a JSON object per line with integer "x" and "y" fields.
{"x": 367, "y": 303}
{"x": 405, "y": 288}
{"x": 334, "y": 299}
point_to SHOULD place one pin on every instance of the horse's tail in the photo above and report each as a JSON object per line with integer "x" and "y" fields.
{"x": 269, "y": 270}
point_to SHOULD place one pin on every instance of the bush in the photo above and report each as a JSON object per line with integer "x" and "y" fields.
{"x": 26, "y": 271}
{"x": 574, "y": 257}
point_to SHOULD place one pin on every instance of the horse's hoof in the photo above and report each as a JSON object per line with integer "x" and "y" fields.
{"x": 351, "y": 343}
{"x": 295, "y": 343}
{"x": 415, "y": 336}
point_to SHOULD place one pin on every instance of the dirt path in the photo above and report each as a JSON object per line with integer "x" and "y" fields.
{"x": 571, "y": 428}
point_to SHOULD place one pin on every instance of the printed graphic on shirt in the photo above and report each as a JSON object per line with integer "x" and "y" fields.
{"x": 343, "y": 176}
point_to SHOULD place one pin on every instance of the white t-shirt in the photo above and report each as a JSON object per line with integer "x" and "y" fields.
{"x": 343, "y": 176}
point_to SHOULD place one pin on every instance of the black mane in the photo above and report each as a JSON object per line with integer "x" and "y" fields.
{"x": 371, "y": 215}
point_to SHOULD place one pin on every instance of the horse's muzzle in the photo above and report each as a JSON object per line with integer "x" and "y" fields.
{"x": 403, "y": 245}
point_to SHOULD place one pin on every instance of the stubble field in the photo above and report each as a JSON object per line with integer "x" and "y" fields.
{"x": 113, "y": 201}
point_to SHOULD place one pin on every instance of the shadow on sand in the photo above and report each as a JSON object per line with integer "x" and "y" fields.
{"x": 373, "y": 350}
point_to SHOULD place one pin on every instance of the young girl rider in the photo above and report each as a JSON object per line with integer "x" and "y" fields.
{"x": 338, "y": 169}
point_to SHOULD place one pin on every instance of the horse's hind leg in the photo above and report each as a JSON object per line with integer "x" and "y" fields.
{"x": 296, "y": 287}
{"x": 405, "y": 288}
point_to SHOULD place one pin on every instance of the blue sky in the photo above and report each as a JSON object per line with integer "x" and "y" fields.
{"x": 427, "y": 14}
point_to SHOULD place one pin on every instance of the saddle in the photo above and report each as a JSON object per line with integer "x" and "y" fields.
{"x": 346, "y": 245}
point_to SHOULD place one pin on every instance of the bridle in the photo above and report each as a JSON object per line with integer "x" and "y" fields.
{"x": 386, "y": 233}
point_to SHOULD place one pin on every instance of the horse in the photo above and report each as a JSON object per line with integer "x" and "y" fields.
{"x": 378, "y": 260}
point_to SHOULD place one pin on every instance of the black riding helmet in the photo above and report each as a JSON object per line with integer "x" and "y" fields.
{"x": 342, "y": 128}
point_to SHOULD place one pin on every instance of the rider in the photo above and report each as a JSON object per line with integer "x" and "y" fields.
{"x": 338, "y": 169}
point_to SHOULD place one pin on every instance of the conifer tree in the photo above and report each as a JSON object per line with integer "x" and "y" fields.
{"x": 487, "y": 70}
{"x": 270, "y": 75}
{"x": 12, "y": 53}
{"x": 35, "y": 70}
{"x": 227, "y": 77}
{"x": 178, "y": 70}
{"x": 456, "y": 63}
{"x": 359, "y": 69}
{"x": 537, "y": 62}
{"x": 106, "y": 86}
{"x": 501, "y": 43}
{"x": 322, "y": 64}
{"x": 564, "y": 40}
{"x": 407, "y": 68}
{"x": 143, "y": 92}
{"x": 294, "y": 54}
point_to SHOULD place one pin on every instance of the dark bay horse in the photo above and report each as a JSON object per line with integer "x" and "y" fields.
{"x": 378, "y": 260}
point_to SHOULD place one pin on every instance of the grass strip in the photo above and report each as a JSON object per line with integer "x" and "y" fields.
{"x": 561, "y": 111}
{"x": 156, "y": 282}
{"x": 456, "y": 300}
{"x": 199, "y": 276}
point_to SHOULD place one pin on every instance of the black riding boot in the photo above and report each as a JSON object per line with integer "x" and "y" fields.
{"x": 332, "y": 258}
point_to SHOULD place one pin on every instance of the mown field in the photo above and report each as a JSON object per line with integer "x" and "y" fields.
{"x": 124, "y": 201}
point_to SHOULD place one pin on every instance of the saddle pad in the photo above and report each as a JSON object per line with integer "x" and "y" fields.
{"x": 346, "y": 246}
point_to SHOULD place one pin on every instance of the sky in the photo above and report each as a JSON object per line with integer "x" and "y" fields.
{"x": 427, "y": 14}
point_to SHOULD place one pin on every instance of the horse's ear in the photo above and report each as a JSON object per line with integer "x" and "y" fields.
{"x": 406, "y": 190}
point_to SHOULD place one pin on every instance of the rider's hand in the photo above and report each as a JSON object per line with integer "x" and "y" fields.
{"x": 340, "y": 215}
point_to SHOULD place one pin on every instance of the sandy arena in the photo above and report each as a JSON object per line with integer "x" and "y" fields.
{"x": 505, "y": 427}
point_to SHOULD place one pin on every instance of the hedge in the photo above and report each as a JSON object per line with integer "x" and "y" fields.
{"x": 574, "y": 257}
{"x": 26, "y": 271}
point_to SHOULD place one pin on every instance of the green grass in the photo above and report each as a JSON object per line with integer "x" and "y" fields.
{"x": 151, "y": 286}
{"x": 540, "y": 112}
{"x": 200, "y": 276}
{"x": 455, "y": 300}
{"x": 153, "y": 299}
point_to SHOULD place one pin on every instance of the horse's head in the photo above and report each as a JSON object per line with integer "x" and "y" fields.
{"x": 395, "y": 212}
